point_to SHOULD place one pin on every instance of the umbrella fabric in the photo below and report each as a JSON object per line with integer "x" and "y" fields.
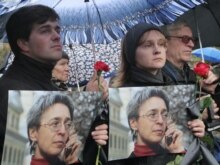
{"x": 207, "y": 17}
{"x": 210, "y": 54}
{"x": 102, "y": 21}
{"x": 82, "y": 60}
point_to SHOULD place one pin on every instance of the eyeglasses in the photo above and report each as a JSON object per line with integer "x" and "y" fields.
{"x": 185, "y": 39}
{"x": 55, "y": 125}
{"x": 153, "y": 116}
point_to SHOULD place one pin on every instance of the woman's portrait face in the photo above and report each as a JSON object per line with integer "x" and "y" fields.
{"x": 61, "y": 70}
{"x": 151, "y": 52}
{"x": 151, "y": 123}
{"x": 53, "y": 132}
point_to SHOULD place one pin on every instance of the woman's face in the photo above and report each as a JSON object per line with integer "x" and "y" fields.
{"x": 151, "y": 52}
{"x": 50, "y": 137}
{"x": 151, "y": 123}
{"x": 61, "y": 70}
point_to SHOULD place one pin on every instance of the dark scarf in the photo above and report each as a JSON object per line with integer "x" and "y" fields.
{"x": 139, "y": 77}
{"x": 59, "y": 84}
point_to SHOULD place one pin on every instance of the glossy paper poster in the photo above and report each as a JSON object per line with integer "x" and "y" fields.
{"x": 147, "y": 121}
{"x": 47, "y": 117}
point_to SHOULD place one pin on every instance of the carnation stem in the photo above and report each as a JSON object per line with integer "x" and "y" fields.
{"x": 97, "y": 162}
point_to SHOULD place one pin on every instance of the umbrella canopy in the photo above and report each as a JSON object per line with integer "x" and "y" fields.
{"x": 210, "y": 54}
{"x": 102, "y": 21}
{"x": 207, "y": 17}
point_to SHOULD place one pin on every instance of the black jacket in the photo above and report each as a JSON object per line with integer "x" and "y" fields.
{"x": 185, "y": 76}
{"x": 139, "y": 77}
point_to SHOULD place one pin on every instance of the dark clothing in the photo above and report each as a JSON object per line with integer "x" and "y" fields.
{"x": 92, "y": 151}
{"x": 157, "y": 156}
{"x": 24, "y": 74}
{"x": 59, "y": 84}
{"x": 178, "y": 76}
{"x": 149, "y": 160}
{"x": 140, "y": 77}
{"x": 216, "y": 96}
{"x": 27, "y": 74}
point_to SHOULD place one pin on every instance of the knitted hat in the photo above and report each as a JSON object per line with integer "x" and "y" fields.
{"x": 131, "y": 40}
{"x": 65, "y": 56}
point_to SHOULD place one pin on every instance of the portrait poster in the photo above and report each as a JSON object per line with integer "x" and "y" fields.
{"x": 17, "y": 145}
{"x": 122, "y": 144}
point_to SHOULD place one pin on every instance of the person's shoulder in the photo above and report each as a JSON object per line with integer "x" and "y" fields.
{"x": 168, "y": 67}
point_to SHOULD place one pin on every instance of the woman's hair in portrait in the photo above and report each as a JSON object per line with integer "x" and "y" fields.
{"x": 139, "y": 98}
{"x": 42, "y": 103}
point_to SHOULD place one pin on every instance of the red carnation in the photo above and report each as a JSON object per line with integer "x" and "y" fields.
{"x": 101, "y": 66}
{"x": 202, "y": 69}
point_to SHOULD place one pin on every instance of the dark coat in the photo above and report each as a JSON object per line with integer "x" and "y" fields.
{"x": 185, "y": 76}
{"x": 139, "y": 77}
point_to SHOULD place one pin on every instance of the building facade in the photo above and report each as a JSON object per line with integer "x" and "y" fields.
{"x": 15, "y": 142}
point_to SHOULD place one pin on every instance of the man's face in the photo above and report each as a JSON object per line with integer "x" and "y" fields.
{"x": 44, "y": 42}
{"x": 151, "y": 53}
{"x": 50, "y": 138}
{"x": 152, "y": 121}
{"x": 179, "y": 52}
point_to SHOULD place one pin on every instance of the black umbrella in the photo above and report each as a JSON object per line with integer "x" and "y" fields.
{"x": 207, "y": 17}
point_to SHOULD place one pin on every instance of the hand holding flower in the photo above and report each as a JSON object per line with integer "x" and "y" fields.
{"x": 100, "y": 134}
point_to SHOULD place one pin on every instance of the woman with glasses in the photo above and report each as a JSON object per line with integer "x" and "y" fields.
{"x": 153, "y": 133}
{"x": 142, "y": 57}
{"x": 51, "y": 132}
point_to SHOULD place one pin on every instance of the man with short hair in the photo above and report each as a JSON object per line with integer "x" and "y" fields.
{"x": 179, "y": 53}
{"x": 34, "y": 37}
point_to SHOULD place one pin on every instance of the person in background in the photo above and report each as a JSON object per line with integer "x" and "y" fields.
{"x": 36, "y": 45}
{"x": 60, "y": 72}
{"x": 143, "y": 54}
{"x": 180, "y": 43}
{"x": 179, "y": 53}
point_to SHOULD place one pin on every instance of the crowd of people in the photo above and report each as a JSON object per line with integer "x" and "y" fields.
{"x": 150, "y": 56}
